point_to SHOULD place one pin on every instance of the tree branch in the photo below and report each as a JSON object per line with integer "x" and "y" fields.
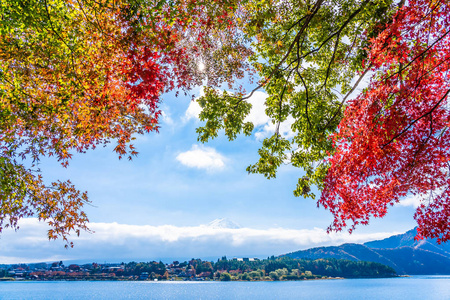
{"x": 416, "y": 120}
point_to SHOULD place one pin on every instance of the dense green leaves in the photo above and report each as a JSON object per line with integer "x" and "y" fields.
{"x": 223, "y": 111}
{"x": 308, "y": 56}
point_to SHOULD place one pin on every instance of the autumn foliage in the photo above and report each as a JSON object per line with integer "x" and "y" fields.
{"x": 393, "y": 141}
{"x": 66, "y": 86}
{"x": 78, "y": 74}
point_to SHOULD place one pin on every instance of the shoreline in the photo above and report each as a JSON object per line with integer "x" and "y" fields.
{"x": 11, "y": 279}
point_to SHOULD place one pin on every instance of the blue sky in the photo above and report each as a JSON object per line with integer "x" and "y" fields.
{"x": 159, "y": 205}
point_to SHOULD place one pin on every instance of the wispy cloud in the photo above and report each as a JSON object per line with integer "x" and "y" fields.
{"x": 412, "y": 200}
{"x": 258, "y": 112}
{"x": 113, "y": 241}
{"x": 193, "y": 111}
{"x": 202, "y": 157}
{"x": 166, "y": 118}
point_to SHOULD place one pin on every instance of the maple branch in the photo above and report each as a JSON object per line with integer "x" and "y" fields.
{"x": 339, "y": 31}
{"x": 293, "y": 25}
{"x": 425, "y": 16}
{"x": 354, "y": 42}
{"x": 413, "y": 122}
{"x": 297, "y": 37}
{"x": 346, "y": 96}
{"x": 422, "y": 144}
{"x": 418, "y": 80}
{"x": 64, "y": 42}
{"x": 307, "y": 98}
{"x": 418, "y": 56}
{"x": 280, "y": 105}
{"x": 96, "y": 23}
{"x": 331, "y": 61}
{"x": 296, "y": 41}
{"x": 303, "y": 82}
{"x": 53, "y": 29}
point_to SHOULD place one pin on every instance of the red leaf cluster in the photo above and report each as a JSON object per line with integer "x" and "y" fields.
{"x": 394, "y": 140}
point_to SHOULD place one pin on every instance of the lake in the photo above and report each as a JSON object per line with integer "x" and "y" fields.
{"x": 416, "y": 287}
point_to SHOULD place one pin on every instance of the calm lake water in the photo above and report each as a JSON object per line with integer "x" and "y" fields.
{"x": 417, "y": 287}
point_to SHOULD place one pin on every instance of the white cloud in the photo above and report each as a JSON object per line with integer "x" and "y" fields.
{"x": 202, "y": 157}
{"x": 416, "y": 200}
{"x": 258, "y": 112}
{"x": 193, "y": 111}
{"x": 118, "y": 242}
{"x": 411, "y": 200}
{"x": 166, "y": 118}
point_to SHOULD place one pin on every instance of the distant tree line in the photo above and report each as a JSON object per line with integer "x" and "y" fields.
{"x": 291, "y": 269}
{"x": 272, "y": 268}
{"x": 281, "y": 268}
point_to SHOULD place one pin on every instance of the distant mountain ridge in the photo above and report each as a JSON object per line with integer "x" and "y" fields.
{"x": 407, "y": 240}
{"x": 400, "y": 252}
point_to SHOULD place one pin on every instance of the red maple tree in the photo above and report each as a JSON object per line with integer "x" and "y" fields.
{"x": 394, "y": 140}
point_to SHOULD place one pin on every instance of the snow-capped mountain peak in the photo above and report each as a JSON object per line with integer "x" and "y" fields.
{"x": 223, "y": 223}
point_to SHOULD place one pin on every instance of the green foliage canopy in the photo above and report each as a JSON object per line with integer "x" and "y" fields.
{"x": 310, "y": 57}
